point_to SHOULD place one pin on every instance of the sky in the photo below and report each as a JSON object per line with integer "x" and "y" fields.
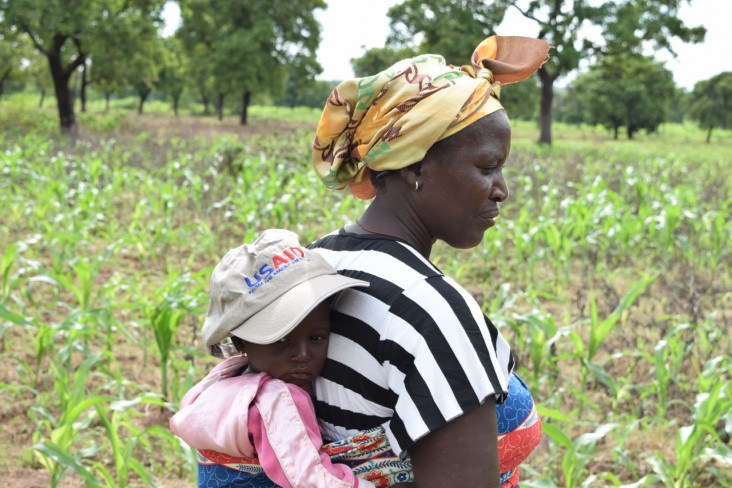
{"x": 349, "y": 28}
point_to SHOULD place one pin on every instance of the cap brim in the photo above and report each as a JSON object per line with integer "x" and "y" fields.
{"x": 280, "y": 317}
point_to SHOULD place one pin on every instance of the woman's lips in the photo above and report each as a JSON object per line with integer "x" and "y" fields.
{"x": 490, "y": 217}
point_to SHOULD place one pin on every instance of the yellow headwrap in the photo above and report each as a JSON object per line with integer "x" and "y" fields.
{"x": 389, "y": 121}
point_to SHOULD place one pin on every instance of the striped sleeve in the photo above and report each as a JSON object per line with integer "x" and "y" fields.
{"x": 455, "y": 364}
{"x": 410, "y": 352}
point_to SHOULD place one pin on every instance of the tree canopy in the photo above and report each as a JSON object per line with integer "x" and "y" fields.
{"x": 627, "y": 26}
{"x": 64, "y": 32}
{"x": 10, "y": 57}
{"x": 629, "y": 91}
{"x": 711, "y": 103}
{"x": 378, "y": 59}
{"x": 249, "y": 46}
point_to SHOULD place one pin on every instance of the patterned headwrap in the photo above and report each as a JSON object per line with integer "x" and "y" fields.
{"x": 389, "y": 121}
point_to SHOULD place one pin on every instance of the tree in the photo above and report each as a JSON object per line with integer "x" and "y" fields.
{"x": 627, "y": 26}
{"x": 251, "y": 45}
{"x": 678, "y": 106}
{"x": 64, "y": 32}
{"x": 198, "y": 33}
{"x": 634, "y": 92}
{"x": 145, "y": 63}
{"x": 198, "y": 46}
{"x": 304, "y": 92}
{"x": 36, "y": 71}
{"x": 378, "y": 59}
{"x": 107, "y": 74}
{"x": 446, "y": 27}
{"x": 521, "y": 100}
{"x": 711, "y": 103}
{"x": 11, "y": 56}
{"x": 173, "y": 70}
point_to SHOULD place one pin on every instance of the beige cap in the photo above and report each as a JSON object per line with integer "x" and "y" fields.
{"x": 261, "y": 291}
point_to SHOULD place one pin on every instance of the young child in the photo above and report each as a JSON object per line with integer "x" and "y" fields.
{"x": 252, "y": 418}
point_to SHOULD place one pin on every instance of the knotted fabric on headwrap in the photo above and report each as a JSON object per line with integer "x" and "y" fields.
{"x": 389, "y": 121}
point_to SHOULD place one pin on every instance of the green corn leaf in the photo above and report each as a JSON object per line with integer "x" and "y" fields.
{"x": 63, "y": 458}
{"x": 143, "y": 473}
{"x": 556, "y": 434}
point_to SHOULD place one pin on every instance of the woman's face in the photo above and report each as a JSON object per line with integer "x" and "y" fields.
{"x": 462, "y": 182}
{"x": 299, "y": 357}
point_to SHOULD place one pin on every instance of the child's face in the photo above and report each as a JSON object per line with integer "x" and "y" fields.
{"x": 299, "y": 357}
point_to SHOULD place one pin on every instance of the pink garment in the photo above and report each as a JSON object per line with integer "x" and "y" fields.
{"x": 253, "y": 415}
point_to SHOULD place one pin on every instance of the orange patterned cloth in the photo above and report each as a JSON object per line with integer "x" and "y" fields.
{"x": 389, "y": 121}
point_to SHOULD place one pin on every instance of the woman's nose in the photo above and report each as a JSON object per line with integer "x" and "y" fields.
{"x": 499, "y": 193}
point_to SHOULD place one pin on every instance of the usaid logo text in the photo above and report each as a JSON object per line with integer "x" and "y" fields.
{"x": 279, "y": 263}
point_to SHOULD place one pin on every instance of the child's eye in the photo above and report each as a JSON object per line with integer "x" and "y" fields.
{"x": 284, "y": 340}
{"x": 318, "y": 338}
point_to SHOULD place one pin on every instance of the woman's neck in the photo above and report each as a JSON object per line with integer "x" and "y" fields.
{"x": 381, "y": 219}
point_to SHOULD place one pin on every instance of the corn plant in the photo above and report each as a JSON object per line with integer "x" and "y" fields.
{"x": 599, "y": 330}
{"x": 165, "y": 318}
{"x": 539, "y": 334}
{"x": 694, "y": 442}
{"x": 54, "y": 449}
{"x": 7, "y": 281}
{"x": 667, "y": 360}
{"x": 577, "y": 453}
{"x": 124, "y": 437}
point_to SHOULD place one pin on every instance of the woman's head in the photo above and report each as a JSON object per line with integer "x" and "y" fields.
{"x": 391, "y": 120}
{"x": 460, "y": 182}
{"x": 454, "y": 193}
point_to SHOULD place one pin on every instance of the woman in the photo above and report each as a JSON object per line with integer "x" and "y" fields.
{"x": 413, "y": 353}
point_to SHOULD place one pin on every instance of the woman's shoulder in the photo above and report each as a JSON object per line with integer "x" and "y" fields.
{"x": 345, "y": 240}
{"x": 374, "y": 255}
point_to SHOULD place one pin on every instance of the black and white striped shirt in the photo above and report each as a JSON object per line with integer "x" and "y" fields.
{"x": 410, "y": 352}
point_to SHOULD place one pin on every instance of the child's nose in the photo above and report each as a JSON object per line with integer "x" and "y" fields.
{"x": 301, "y": 352}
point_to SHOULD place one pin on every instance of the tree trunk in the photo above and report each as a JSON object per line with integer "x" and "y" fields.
{"x": 220, "y": 106}
{"x": 143, "y": 96}
{"x": 176, "y": 101}
{"x": 205, "y": 101}
{"x": 709, "y": 135}
{"x": 64, "y": 96}
{"x": 547, "y": 96}
{"x": 616, "y": 130}
{"x": 246, "y": 97}
{"x": 107, "y": 96}
{"x": 3, "y": 79}
{"x": 43, "y": 98}
{"x": 83, "y": 84}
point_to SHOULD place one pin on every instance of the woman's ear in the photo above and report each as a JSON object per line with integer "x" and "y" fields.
{"x": 412, "y": 175}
